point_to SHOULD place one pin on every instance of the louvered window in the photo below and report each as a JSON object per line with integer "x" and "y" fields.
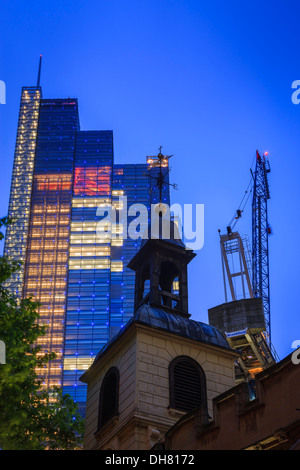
{"x": 109, "y": 397}
{"x": 187, "y": 384}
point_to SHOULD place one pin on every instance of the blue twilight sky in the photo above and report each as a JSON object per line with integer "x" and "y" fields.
{"x": 209, "y": 81}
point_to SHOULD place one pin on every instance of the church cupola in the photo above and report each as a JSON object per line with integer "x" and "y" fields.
{"x": 162, "y": 259}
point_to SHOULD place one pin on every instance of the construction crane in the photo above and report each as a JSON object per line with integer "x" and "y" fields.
{"x": 260, "y": 234}
{"x": 259, "y": 186}
{"x": 245, "y": 317}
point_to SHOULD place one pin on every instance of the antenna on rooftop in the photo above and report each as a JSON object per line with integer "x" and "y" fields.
{"x": 39, "y": 72}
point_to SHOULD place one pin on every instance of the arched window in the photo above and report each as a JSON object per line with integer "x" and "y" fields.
{"x": 187, "y": 384}
{"x": 109, "y": 397}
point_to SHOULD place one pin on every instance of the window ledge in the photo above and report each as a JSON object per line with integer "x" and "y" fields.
{"x": 176, "y": 413}
{"x": 105, "y": 427}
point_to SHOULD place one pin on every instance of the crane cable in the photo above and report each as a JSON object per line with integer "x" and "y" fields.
{"x": 238, "y": 212}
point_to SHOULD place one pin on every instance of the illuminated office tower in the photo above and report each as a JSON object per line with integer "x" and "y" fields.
{"x": 21, "y": 184}
{"x": 62, "y": 179}
{"x": 46, "y": 267}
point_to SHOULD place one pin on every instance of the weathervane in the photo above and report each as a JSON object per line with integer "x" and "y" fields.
{"x": 159, "y": 161}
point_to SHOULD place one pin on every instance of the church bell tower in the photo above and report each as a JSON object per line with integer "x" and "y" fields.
{"x": 161, "y": 260}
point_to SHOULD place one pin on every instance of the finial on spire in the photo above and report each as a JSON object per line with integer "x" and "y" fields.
{"x": 160, "y": 161}
{"x": 39, "y": 72}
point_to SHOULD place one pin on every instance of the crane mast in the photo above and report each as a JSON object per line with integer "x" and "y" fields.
{"x": 260, "y": 234}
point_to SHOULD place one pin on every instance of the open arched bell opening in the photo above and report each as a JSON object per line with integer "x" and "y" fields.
{"x": 159, "y": 263}
{"x": 168, "y": 273}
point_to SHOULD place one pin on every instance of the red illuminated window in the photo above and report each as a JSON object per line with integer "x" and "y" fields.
{"x": 92, "y": 181}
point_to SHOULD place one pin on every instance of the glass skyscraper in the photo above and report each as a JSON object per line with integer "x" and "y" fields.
{"x": 63, "y": 179}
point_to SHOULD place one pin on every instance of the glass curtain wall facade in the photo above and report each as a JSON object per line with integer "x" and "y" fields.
{"x": 21, "y": 184}
{"x": 49, "y": 226}
{"x": 62, "y": 179}
{"x": 89, "y": 266}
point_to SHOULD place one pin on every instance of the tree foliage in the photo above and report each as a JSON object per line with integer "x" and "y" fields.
{"x": 31, "y": 418}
